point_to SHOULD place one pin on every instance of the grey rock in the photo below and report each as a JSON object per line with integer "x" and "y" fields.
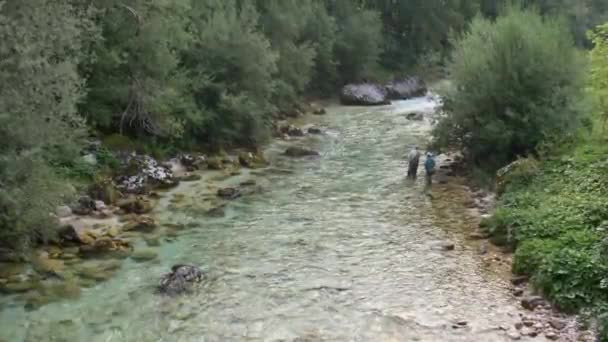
{"x": 181, "y": 279}
{"x": 405, "y": 88}
{"x": 63, "y": 211}
{"x": 363, "y": 94}
{"x": 300, "y": 152}
{"x": 415, "y": 116}
{"x": 557, "y": 324}
{"x": 532, "y": 302}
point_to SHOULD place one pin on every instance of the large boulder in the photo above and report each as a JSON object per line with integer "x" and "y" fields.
{"x": 364, "y": 94}
{"x": 405, "y": 88}
{"x": 181, "y": 279}
{"x": 141, "y": 173}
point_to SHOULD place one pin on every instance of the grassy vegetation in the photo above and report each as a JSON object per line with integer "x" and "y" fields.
{"x": 554, "y": 214}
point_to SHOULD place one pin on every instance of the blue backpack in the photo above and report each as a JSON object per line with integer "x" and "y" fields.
{"x": 429, "y": 165}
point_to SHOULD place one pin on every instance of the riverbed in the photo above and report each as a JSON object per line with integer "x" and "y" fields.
{"x": 339, "y": 247}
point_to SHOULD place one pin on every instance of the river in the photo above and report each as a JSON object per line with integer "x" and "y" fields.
{"x": 339, "y": 247}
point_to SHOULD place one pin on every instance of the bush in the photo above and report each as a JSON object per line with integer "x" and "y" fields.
{"x": 43, "y": 43}
{"x": 556, "y": 218}
{"x": 531, "y": 254}
{"x": 518, "y": 173}
{"x": 517, "y": 82}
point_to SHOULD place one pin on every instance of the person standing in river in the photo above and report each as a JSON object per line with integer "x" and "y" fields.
{"x": 429, "y": 168}
{"x": 412, "y": 160}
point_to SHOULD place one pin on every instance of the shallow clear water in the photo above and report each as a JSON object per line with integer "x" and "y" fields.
{"x": 337, "y": 248}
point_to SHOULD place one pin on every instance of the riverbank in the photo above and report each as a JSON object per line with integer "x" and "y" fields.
{"x": 115, "y": 218}
{"x": 544, "y": 317}
{"x": 552, "y": 213}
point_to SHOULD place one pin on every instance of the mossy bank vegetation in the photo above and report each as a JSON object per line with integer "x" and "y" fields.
{"x": 524, "y": 96}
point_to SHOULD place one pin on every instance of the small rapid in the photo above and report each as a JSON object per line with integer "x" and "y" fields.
{"x": 338, "y": 247}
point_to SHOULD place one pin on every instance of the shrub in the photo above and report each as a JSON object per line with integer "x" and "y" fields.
{"x": 43, "y": 43}
{"x": 531, "y": 254}
{"x": 517, "y": 81}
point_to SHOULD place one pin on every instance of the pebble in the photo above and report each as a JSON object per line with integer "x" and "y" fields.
{"x": 551, "y": 335}
{"x": 514, "y": 335}
{"x": 528, "y": 323}
{"x": 444, "y": 246}
{"x": 518, "y": 292}
{"x": 557, "y": 324}
{"x": 519, "y": 280}
{"x": 532, "y": 302}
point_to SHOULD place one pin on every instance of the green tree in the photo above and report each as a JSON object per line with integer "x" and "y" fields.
{"x": 42, "y": 45}
{"x": 232, "y": 66}
{"x": 359, "y": 40}
{"x": 599, "y": 69}
{"x": 321, "y": 32}
{"x": 135, "y": 84}
{"x": 284, "y": 23}
{"x": 412, "y": 28}
{"x": 516, "y": 83}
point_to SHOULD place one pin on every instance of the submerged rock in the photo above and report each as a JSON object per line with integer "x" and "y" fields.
{"x": 215, "y": 163}
{"x": 300, "y": 152}
{"x": 416, "y": 116}
{"x": 363, "y": 94}
{"x": 291, "y": 130}
{"x": 229, "y": 193}
{"x": 314, "y": 130}
{"x": 181, "y": 279}
{"x": 252, "y": 160}
{"x": 99, "y": 270}
{"x": 47, "y": 266}
{"x": 137, "y": 205}
{"x": 144, "y": 254}
{"x": 140, "y": 223}
{"x": 190, "y": 177}
{"x": 106, "y": 246}
{"x": 317, "y": 109}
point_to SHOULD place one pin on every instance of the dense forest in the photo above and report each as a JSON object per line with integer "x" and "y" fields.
{"x": 161, "y": 76}
{"x": 166, "y": 76}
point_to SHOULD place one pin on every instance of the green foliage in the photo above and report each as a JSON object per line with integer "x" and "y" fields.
{"x": 517, "y": 83}
{"x": 284, "y": 22}
{"x": 232, "y": 66}
{"x": 599, "y": 69}
{"x": 359, "y": 41}
{"x": 518, "y": 173}
{"x": 42, "y": 45}
{"x": 135, "y": 84}
{"x": 557, "y": 220}
{"x": 580, "y": 15}
{"x": 416, "y": 28}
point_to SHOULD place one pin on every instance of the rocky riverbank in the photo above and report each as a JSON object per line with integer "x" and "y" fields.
{"x": 541, "y": 318}
{"x": 116, "y": 219}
